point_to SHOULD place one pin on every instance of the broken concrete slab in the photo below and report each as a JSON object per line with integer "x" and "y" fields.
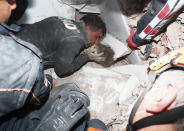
{"x": 111, "y": 90}
{"x": 117, "y": 26}
{"x": 120, "y": 49}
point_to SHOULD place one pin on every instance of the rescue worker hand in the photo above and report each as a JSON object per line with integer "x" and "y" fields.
{"x": 130, "y": 43}
{"x": 69, "y": 105}
{"x": 93, "y": 54}
{"x": 96, "y": 57}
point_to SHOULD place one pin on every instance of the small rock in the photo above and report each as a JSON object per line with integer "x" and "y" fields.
{"x": 173, "y": 35}
{"x": 155, "y": 51}
{"x": 182, "y": 20}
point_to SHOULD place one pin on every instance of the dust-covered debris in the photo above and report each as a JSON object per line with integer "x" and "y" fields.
{"x": 112, "y": 92}
{"x": 130, "y": 7}
{"x": 167, "y": 41}
{"x": 106, "y": 87}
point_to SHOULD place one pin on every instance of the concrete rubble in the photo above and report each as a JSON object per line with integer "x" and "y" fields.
{"x": 112, "y": 90}
{"x": 171, "y": 39}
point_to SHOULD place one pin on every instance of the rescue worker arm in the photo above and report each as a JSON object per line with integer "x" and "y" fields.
{"x": 19, "y": 69}
{"x": 68, "y": 57}
{"x": 66, "y": 106}
{"x": 158, "y": 16}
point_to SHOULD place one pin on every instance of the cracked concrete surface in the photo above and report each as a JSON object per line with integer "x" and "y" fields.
{"x": 112, "y": 90}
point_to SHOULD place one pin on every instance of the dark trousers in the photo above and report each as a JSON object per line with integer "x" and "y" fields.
{"x": 26, "y": 118}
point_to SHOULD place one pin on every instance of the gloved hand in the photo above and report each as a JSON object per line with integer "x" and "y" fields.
{"x": 130, "y": 43}
{"x": 69, "y": 105}
{"x": 93, "y": 54}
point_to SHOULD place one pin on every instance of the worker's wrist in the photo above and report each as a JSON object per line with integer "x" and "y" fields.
{"x": 131, "y": 43}
{"x": 132, "y": 40}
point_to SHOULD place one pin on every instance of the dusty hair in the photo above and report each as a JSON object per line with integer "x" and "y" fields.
{"x": 95, "y": 22}
{"x": 108, "y": 53}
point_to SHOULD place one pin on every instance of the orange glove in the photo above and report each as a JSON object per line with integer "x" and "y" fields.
{"x": 94, "y": 129}
{"x": 96, "y": 125}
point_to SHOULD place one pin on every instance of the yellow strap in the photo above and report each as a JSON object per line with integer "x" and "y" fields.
{"x": 175, "y": 57}
{"x": 53, "y": 84}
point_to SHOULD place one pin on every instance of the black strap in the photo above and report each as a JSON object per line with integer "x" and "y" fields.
{"x": 131, "y": 117}
{"x": 135, "y": 108}
{"x": 163, "y": 117}
{"x": 152, "y": 77}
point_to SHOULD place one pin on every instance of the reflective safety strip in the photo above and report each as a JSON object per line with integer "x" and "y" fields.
{"x": 179, "y": 59}
{"x": 148, "y": 29}
{"x": 25, "y": 90}
{"x": 94, "y": 129}
{"x": 174, "y": 58}
{"x": 45, "y": 81}
{"x": 159, "y": 20}
{"x": 155, "y": 31}
{"x": 170, "y": 16}
{"x": 160, "y": 63}
{"x": 163, "y": 12}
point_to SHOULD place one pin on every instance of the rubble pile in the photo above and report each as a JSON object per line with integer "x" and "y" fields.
{"x": 111, "y": 90}
{"x": 169, "y": 40}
